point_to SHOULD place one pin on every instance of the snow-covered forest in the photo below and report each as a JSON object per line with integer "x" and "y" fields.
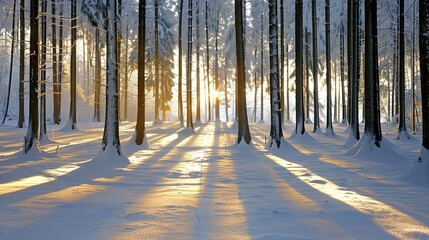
{"x": 198, "y": 119}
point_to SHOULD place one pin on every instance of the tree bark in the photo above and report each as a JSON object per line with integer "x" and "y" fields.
{"x": 189, "y": 122}
{"x": 262, "y": 67}
{"x": 156, "y": 86}
{"x": 33, "y": 121}
{"x": 276, "y": 133}
{"x": 342, "y": 65}
{"x": 424, "y": 68}
{"x": 179, "y": 84}
{"x": 12, "y": 47}
{"x": 282, "y": 62}
{"x": 42, "y": 122}
{"x": 243, "y": 124}
{"x": 216, "y": 78}
{"x": 97, "y": 89}
{"x": 329, "y": 127}
{"x": 111, "y": 126}
{"x": 55, "y": 84}
{"x": 197, "y": 23}
{"x": 208, "y": 63}
{"x": 372, "y": 101}
{"x": 21, "y": 115}
{"x": 141, "y": 108}
{"x": 73, "y": 72}
{"x": 402, "y": 125}
{"x": 299, "y": 126}
{"x": 316, "y": 120}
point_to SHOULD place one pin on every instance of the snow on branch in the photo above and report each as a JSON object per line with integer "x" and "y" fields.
{"x": 95, "y": 10}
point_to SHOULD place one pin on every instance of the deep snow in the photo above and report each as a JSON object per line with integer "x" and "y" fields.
{"x": 202, "y": 185}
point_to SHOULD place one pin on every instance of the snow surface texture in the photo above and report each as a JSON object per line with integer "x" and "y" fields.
{"x": 204, "y": 186}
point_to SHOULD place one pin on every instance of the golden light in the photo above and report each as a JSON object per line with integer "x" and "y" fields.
{"x": 397, "y": 223}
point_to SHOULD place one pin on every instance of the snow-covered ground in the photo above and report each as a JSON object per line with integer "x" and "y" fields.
{"x": 202, "y": 186}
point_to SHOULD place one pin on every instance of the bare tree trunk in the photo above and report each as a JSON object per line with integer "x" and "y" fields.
{"x": 197, "y": 23}
{"x": 33, "y": 121}
{"x": 287, "y": 84}
{"x": 141, "y": 117}
{"x": 126, "y": 75}
{"x": 402, "y": 125}
{"x": 372, "y": 101}
{"x": 208, "y": 63}
{"x": 314, "y": 19}
{"x": 97, "y": 89}
{"x": 329, "y": 127}
{"x": 217, "y": 107}
{"x": 189, "y": 122}
{"x": 226, "y": 91}
{"x": 156, "y": 87}
{"x": 299, "y": 127}
{"x": 55, "y": 84}
{"x": 179, "y": 84}
{"x": 307, "y": 76}
{"x": 255, "y": 98}
{"x": 60, "y": 59}
{"x": 262, "y": 68}
{"x": 12, "y": 48}
{"x": 424, "y": 68}
{"x": 42, "y": 128}
{"x": 276, "y": 133}
{"x": 111, "y": 126}
{"x": 282, "y": 62}
{"x": 243, "y": 124}
{"x": 21, "y": 115}
{"x": 343, "y": 91}
{"x": 72, "y": 115}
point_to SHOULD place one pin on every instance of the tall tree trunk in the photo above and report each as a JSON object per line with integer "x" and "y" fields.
{"x": 314, "y": 19}
{"x": 33, "y": 120}
{"x": 243, "y": 124}
{"x": 287, "y": 84}
{"x": 282, "y": 62}
{"x": 329, "y": 127}
{"x": 179, "y": 84}
{"x": 372, "y": 101}
{"x": 299, "y": 126}
{"x": 197, "y": 23}
{"x": 342, "y": 65}
{"x": 73, "y": 72}
{"x": 12, "y": 48}
{"x": 397, "y": 59}
{"x": 424, "y": 68}
{"x": 276, "y": 133}
{"x": 21, "y": 115}
{"x": 55, "y": 83}
{"x": 43, "y": 19}
{"x": 60, "y": 57}
{"x": 413, "y": 79}
{"x": 217, "y": 104}
{"x": 262, "y": 67}
{"x": 189, "y": 122}
{"x": 126, "y": 75}
{"x": 208, "y": 62}
{"x": 356, "y": 36}
{"x": 111, "y": 126}
{"x": 402, "y": 125}
{"x": 97, "y": 89}
{"x": 226, "y": 91}
{"x": 350, "y": 71}
{"x": 255, "y": 98}
{"x": 156, "y": 87}
{"x": 307, "y": 75}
